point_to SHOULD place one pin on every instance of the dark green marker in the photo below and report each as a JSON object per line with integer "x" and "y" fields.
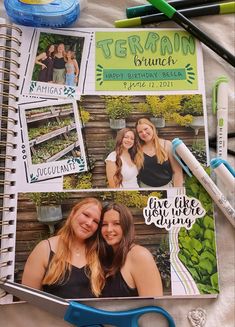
{"x": 145, "y": 10}
{"x": 216, "y": 9}
{"x": 180, "y": 19}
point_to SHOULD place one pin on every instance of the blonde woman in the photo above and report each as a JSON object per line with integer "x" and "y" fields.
{"x": 121, "y": 169}
{"x": 67, "y": 265}
{"x": 59, "y": 64}
{"x": 72, "y": 70}
{"x": 156, "y": 164}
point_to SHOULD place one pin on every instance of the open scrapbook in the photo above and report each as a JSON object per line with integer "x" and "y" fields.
{"x": 73, "y": 100}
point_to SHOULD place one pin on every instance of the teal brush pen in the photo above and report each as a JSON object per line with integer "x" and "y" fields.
{"x": 180, "y": 19}
{"x": 215, "y": 9}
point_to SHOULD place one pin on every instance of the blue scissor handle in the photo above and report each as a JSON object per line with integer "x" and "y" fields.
{"x": 82, "y": 315}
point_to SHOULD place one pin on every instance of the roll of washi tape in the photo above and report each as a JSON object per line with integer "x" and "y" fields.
{"x": 44, "y": 13}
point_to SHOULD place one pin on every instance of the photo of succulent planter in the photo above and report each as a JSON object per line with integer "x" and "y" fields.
{"x": 53, "y": 140}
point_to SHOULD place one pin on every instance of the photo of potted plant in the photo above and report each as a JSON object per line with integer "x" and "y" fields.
{"x": 155, "y": 107}
{"x": 193, "y": 106}
{"x": 85, "y": 116}
{"x": 118, "y": 108}
{"x": 48, "y": 207}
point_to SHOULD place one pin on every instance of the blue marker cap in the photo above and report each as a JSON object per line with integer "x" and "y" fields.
{"x": 216, "y": 162}
{"x": 44, "y": 13}
{"x": 175, "y": 143}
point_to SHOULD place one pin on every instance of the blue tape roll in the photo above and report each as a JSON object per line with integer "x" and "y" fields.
{"x": 57, "y": 13}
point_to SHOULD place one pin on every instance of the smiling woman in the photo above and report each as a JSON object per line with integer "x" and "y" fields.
{"x": 121, "y": 169}
{"x": 129, "y": 269}
{"x": 154, "y": 159}
{"x": 67, "y": 265}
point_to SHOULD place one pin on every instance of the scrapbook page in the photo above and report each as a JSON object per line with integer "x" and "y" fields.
{"x": 97, "y": 111}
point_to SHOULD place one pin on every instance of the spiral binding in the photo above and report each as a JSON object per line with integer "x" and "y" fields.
{"x": 10, "y": 38}
{"x": 8, "y": 77}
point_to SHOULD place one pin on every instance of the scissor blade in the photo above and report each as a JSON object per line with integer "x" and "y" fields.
{"x": 45, "y": 301}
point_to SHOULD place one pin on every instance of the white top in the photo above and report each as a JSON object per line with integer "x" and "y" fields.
{"x": 129, "y": 173}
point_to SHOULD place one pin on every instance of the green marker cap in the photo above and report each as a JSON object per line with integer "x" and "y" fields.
{"x": 227, "y": 8}
{"x": 221, "y": 79}
{"x": 164, "y": 7}
{"x": 128, "y": 22}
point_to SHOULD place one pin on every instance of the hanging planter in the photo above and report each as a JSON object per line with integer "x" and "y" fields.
{"x": 118, "y": 108}
{"x": 117, "y": 123}
{"x": 159, "y": 122}
{"x": 197, "y": 123}
{"x": 49, "y": 215}
{"x": 48, "y": 207}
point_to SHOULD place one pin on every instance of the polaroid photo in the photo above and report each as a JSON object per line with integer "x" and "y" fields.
{"x": 54, "y": 63}
{"x": 52, "y": 140}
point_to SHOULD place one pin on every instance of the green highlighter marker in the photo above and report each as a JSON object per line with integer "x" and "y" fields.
{"x": 180, "y": 19}
{"x": 215, "y": 9}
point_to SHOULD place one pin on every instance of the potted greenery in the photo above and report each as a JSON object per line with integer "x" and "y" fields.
{"x": 154, "y": 107}
{"x": 161, "y": 108}
{"x": 193, "y": 105}
{"x": 85, "y": 116}
{"x": 118, "y": 108}
{"x": 48, "y": 207}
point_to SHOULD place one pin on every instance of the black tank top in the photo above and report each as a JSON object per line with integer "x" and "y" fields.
{"x": 116, "y": 286}
{"x": 153, "y": 173}
{"x": 59, "y": 63}
{"x": 75, "y": 285}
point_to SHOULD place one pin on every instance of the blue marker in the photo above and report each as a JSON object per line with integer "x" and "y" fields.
{"x": 224, "y": 172}
{"x": 193, "y": 167}
{"x": 44, "y": 13}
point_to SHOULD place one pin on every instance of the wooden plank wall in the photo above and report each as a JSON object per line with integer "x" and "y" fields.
{"x": 97, "y": 131}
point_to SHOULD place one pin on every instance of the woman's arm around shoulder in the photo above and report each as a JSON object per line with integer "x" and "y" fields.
{"x": 178, "y": 179}
{"x": 40, "y": 57}
{"x": 145, "y": 272}
{"x": 111, "y": 169}
{"x": 36, "y": 265}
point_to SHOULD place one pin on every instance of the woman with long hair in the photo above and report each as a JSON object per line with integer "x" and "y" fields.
{"x": 59, "y": 64}
{"x": 129, "y": 269}
{"x": 72, "y": 70}
{"x": 121, "y": 170}
{"x": 46, "y": 61}
{"x": 156, "y": 164}
{"x": 67, "y": 264}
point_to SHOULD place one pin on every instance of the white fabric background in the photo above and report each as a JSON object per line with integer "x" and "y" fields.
{"x": 220, "y": 311}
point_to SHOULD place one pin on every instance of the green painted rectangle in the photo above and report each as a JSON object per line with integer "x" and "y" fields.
{"x": 144, "y": 74}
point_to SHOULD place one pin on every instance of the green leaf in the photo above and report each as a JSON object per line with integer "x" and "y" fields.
{"x": 215, "y": 280}
{"x": 209, "y": 256}
{"x": 209, "y": 234}
{"x": 206, "y": 265}
{"x": 197, "y": 245}
{"x": 208, "y": 222}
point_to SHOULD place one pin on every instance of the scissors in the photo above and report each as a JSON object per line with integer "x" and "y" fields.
{"x": 79, "y": 314}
